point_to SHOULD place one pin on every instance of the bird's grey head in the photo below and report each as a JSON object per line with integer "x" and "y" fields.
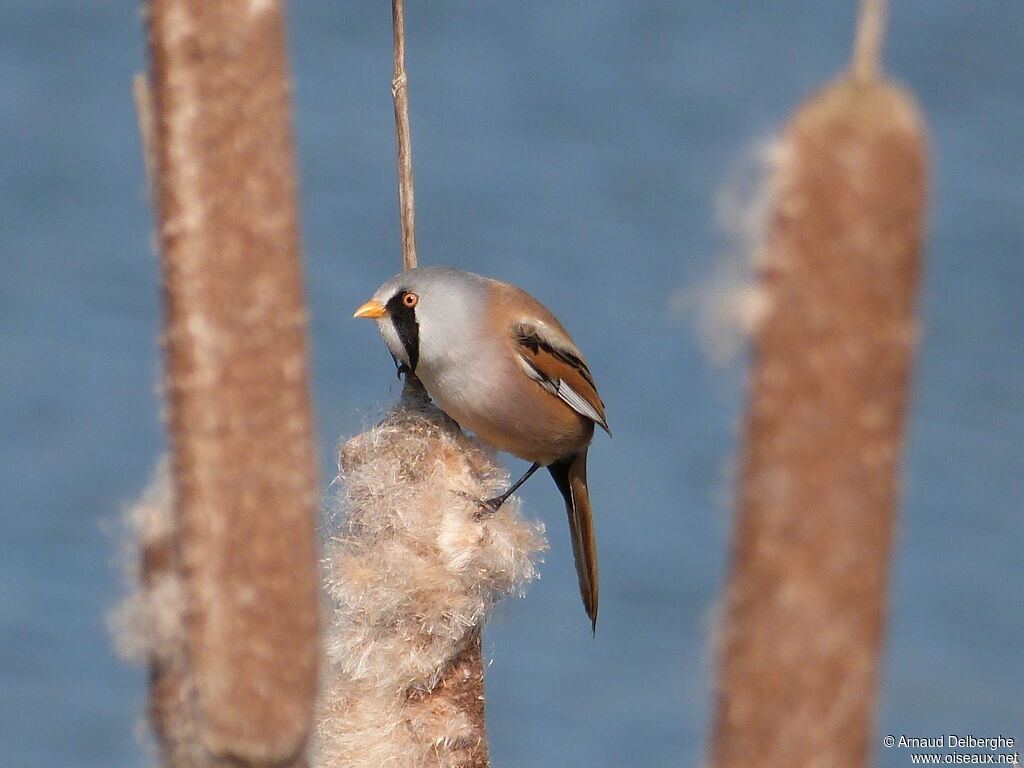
{"x": 422, "y": 312}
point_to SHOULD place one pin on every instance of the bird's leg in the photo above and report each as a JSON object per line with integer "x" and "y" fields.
{"x": 495, "y": 504}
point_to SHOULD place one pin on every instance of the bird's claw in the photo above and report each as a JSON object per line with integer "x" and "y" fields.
{"x": 487, "y": 506}
{"x": 493, "y": 504}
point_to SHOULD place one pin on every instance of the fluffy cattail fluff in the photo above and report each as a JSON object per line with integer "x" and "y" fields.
{"x": 148, "y": 622}
{"x": 729, "y": 304}
{"x": 414, "y": 567}
{"x": 149, "y": 625}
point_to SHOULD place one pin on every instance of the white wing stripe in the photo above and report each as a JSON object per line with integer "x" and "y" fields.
{"x": 577, "y": 403}
{"x": 562, "y": 390}
{"x": 532, "y": 371}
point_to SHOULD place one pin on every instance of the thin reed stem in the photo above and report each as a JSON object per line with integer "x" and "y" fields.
{"x": 403, "y": 137}
{"x": 866, "y": 63}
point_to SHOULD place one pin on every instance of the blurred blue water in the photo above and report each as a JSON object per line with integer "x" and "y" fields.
{"x": 573, "y": 148}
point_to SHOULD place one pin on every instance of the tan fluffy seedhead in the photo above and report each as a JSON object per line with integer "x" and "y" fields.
{"x": 413, "y": 569}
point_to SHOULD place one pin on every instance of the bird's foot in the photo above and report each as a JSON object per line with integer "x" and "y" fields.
{"x": 487, "y": 506}
{"x": 493, "y": 504}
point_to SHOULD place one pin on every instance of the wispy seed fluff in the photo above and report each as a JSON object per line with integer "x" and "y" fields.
{"x": 413, "y": 568}
{"x": 149, "y": 624}
{"x": 731, "y": 302}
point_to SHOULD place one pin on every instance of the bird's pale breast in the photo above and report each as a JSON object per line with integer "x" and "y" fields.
{"x": 488, "y": 393}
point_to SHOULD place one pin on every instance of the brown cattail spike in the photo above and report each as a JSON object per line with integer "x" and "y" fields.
{"x": 243, "y": 461}
{"x": 803, "y": 628}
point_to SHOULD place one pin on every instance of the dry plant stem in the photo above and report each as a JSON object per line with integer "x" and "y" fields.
{"x": 403, "y": 138}
{"x": 867, "y": 46}
{"x": 237, "y": 379}
{"x": 803, "y": 628}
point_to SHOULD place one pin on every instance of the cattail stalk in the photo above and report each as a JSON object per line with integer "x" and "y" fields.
{"x": 242, "y": 538}
{"x": 403, "y": 138}
{"x": 465, "y": 679}
{"x": 803, "y": 629}
{"x": 414, "y": 568}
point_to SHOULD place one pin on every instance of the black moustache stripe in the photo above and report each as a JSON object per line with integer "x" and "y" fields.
{"x": 408, "y": 329}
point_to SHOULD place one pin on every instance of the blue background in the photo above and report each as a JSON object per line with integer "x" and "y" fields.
{"x": 575, "y": 148}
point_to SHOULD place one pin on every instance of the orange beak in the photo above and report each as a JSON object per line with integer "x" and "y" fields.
{"x": 373, "y": 309}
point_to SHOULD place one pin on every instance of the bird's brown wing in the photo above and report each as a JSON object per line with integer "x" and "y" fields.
{"x": 570, "y": 476}
{"x": 561, "y": 370}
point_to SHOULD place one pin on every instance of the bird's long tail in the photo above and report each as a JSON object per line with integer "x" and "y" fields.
{"x": 570, "y": 476}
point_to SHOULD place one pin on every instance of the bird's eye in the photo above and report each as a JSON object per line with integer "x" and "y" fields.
{"x": 410, "y": 299}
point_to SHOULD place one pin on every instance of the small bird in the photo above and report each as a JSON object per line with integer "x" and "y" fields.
{"x": 498, "y": 362}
